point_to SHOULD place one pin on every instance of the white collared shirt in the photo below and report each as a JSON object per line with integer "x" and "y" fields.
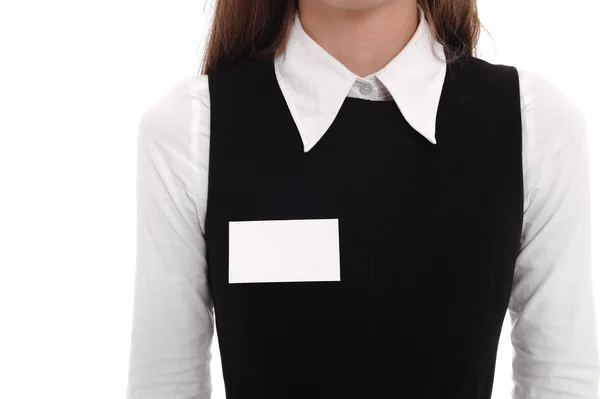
{"x": 551, "y": 306}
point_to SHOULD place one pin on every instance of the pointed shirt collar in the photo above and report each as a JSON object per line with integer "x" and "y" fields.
{"x": 315, "y": 84}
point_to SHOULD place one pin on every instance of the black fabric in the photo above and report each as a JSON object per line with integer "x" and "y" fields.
{"x": 429, "y": 236}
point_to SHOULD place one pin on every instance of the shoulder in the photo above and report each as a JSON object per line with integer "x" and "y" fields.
{"x": 551, "y": 118}
{"x": 548, "y": 112}
{"x": 475, "y": 81}
{"x": 549, "y": 109}
{"x": 185, "y": 105}
{"x": 555, "y": 148}
{"x": 482, "y": 74}
{"x": 174, "y": 136}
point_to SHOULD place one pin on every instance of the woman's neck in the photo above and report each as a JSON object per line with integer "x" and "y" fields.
{"x": 364, "y": 40}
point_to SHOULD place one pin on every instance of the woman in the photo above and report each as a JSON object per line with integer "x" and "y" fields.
{"x": 375, "y": 199}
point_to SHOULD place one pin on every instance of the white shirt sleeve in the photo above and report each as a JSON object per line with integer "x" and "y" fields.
{"x": 173, "y": 317}
{"x": 552, "y": 304}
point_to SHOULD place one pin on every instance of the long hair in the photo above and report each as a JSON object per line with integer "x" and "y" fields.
{"x": 247, "y": 30}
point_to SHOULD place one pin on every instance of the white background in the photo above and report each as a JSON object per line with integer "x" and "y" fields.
{"x": 75, "y": 77}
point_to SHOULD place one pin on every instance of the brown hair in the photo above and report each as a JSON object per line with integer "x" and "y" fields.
{"x": 245, "y": 30}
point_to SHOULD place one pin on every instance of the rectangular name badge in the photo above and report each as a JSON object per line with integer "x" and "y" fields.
{"x": 284, "y": 250}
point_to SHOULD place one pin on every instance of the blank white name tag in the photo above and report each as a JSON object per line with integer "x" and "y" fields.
{"x": 284, "y": 250}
